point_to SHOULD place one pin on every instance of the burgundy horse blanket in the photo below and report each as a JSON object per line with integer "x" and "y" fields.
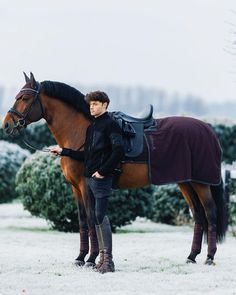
{"x": 183, "y": 149}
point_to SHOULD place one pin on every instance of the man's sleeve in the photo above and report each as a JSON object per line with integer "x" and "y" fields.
{"x": 117, "y": 154}
{"x": 76, "y": 155}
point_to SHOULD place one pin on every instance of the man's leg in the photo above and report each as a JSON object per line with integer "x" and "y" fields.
{"x": 104, "y": 234}
{"x": 102, "y": 190}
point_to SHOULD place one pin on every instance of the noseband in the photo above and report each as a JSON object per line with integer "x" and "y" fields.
{"x": 23, "y": 116}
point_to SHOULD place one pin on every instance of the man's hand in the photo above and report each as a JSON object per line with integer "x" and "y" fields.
{"x": 56, "y": 150}
{"x": 97, "y": 175}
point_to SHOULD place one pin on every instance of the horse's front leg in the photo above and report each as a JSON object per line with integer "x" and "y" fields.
{"x": 87, "y": 205}
{"x": 90, "y": 211}
{"x": 83, "y": 229}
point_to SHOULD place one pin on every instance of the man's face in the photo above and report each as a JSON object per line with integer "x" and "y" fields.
{"x": 97, "y": 108}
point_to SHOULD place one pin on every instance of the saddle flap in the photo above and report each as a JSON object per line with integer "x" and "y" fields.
{"x": 133, "y": 131}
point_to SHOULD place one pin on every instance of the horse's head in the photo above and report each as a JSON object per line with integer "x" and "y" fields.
{"x": 26, "y": 109}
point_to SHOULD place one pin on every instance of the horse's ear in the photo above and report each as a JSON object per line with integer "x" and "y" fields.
{"x": 27, "y": 79}
{"x": 32, "y": 80}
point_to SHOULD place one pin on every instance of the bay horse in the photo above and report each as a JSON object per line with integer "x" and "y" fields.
{"x": 68, "y": 116}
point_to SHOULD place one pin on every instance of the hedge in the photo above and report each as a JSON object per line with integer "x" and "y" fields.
{"x": 45, "y": 193}
{"x": 169, "y": 206}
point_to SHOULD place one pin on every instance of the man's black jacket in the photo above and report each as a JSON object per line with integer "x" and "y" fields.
{"x": 103, "y": 149}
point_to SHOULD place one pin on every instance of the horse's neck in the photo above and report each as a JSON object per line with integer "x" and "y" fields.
{"x": 67, "y": 125}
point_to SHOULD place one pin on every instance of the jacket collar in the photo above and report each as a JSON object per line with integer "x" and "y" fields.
{"x": 104, "y": 115}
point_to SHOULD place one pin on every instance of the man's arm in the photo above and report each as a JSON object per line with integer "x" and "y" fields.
{"x": 76, "y": 155}
{"x": 117, "y": 151}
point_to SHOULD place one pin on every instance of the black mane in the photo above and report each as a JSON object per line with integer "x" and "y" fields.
{"x": 67, "y": 94}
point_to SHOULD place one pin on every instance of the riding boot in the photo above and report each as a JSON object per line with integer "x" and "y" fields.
{"x": 101, "y": 247}
{"x": 105, "y": 244}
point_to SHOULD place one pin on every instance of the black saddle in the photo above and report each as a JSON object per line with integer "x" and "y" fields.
{"x": 133, "y": 130}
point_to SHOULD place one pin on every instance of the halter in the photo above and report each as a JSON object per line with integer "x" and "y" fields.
{"x": 21, "y": 122}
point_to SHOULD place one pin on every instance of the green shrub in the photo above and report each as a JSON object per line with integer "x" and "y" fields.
{"x": 125, "y": 205}
{"x": 227, "y": 138}
{"x": 36, "y": 134}
{"x": 169, "y": 206}
{"x": 11, "y": 159}
{"x": 45, "y": 193}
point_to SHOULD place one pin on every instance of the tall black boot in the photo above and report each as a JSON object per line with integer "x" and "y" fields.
{"x": 101, "y": 247}
{"x": 105, "y": 246}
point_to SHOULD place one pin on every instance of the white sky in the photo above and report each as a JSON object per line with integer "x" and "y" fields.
{"x": 178, "y": 45}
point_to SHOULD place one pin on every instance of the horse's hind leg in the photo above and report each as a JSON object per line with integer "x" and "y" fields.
{"x": 195, "y": 206}
{"x": 204, "y": 193}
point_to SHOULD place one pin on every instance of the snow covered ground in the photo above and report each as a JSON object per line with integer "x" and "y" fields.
{"x": 149, "y": 258}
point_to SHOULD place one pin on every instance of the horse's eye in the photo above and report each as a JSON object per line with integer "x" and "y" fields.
{"x": 25, "y": 97}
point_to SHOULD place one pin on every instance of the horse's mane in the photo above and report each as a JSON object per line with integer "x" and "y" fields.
{"x": 67, "y": 94}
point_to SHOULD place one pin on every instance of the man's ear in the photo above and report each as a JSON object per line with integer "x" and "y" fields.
{"x": 106, "y": 104}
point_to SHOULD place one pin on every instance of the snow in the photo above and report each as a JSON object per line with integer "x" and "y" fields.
{"x": 149, "y": 258}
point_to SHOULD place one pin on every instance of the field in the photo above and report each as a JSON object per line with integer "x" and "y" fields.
{"x": 149, "y": 258}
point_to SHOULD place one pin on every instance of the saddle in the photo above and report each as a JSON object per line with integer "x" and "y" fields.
{"x": 133, "y": 130}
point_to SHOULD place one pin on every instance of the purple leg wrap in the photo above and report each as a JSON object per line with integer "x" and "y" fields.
{"x": 93, "y": 241}
{"x": 211, "y": 240}
{"x": 84, "y": 241}
{"x": 94, "y": 250}
{"x": 197, "y": 241}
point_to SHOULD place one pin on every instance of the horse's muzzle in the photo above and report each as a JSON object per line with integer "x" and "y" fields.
{"x": 11, "y": 129}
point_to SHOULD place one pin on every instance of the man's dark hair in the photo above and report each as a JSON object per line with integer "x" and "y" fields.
{"x": 97, "y": 96}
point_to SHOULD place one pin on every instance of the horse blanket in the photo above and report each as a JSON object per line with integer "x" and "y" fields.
{"x": 183, "y": 149}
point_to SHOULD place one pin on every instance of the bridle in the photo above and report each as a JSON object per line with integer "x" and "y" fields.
{"x": 21, "y": 123}
{"x": 23, "y": 116}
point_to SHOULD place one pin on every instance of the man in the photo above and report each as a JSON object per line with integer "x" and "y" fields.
{"x": 103, "y": 151}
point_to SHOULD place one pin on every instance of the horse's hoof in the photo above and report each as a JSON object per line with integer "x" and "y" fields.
{"x": 188, "y": 261}
{"x": 90, "y": 264}
{"x": 79, "y": 263}
{"x": 209, "y": 261}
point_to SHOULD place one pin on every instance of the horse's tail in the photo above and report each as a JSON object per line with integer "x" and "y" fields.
{"x": 218, "y": 195}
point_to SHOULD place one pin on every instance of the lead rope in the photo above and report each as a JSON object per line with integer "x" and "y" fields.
{"x": 45, "y": 150}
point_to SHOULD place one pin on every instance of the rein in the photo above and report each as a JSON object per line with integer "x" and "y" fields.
{"x": 45, "y": 150}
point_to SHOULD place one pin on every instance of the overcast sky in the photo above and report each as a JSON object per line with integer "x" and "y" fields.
{"x": 178, "y": 45}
